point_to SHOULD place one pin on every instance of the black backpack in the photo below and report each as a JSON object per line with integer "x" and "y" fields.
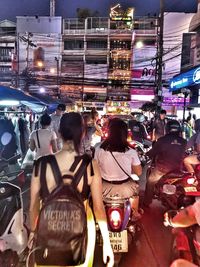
{"x": 61, "y": 236}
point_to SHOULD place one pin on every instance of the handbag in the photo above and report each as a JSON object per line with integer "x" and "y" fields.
{"x": 28, "y": 159}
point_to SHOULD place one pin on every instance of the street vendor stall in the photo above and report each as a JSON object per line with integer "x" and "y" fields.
{"x": 15, "y": 97}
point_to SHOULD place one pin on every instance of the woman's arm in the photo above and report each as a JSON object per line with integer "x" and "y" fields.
{"x": 99, "y": 212}
{"x": 184, "y": 218}
{"x": 34, "y": 201}
{"x": 137, "y": 169}
{"x": 54, "y": 146}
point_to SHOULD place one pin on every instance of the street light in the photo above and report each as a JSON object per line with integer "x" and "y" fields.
{"x": 186, "y": 93}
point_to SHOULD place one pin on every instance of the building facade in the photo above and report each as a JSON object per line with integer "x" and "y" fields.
{"x": 39, "y": 46}
{"x": 7, "y": 52}
{"x": 187, "y": 81}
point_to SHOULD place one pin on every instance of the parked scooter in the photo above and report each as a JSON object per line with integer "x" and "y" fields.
{"x": 13, "y": 233}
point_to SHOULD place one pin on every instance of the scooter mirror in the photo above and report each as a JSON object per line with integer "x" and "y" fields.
{"x": 6, "y": 138}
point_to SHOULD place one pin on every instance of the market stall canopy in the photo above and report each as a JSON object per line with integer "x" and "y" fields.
{"x": 52, "y": 102}
{"x": 15, "y": 97}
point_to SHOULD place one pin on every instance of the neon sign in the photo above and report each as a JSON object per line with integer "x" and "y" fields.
{"x": 186, "y": 79}
{"x": 196, "y": 76}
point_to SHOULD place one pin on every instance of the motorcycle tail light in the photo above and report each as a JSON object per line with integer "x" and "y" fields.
{"x": 191, "y": 180}
{"x": 115, "y": 218}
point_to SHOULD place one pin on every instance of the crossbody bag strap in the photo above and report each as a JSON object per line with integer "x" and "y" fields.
{"x": 38, "y": 141}
{"x": 120, "y": 165}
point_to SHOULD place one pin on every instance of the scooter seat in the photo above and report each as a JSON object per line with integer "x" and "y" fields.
{"x": 175, "y": 174}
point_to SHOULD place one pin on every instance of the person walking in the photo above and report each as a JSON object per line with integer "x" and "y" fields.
{"x": 71, "y": 131}
{"x": 43, "y": 140}
{"x": 55, "y": 121}
{"x": 159, "y": 125}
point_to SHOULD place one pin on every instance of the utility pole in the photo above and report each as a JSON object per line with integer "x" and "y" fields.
{"x": 159, "y": 62}
{"x": 57, "y": 77}
{"x": 27, "y": 49}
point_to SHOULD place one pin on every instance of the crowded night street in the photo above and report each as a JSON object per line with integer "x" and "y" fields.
{"x": 100, "y": 133}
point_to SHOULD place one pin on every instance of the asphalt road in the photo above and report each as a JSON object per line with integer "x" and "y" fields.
{"x": 153, "y": 247}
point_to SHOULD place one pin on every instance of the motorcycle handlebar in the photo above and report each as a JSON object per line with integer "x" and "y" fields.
{"x": 5, "y": 162}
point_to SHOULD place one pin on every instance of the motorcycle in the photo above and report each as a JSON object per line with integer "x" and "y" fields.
{"x": 177, "y": 189}
{"x": 186, "y": 242}
{"x": 123, "y": 227}
{"x": 13, "y": 232}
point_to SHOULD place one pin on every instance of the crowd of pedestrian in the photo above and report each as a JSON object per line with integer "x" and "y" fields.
{"x": 67, "y": 135}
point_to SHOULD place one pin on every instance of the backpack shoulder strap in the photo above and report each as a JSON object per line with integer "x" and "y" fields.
{"x": 75, "y": 163}
{"x": 51, "y": 160}
{"x": 86, "y": 159}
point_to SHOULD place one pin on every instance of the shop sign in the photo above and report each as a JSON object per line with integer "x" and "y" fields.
{"x": 185, "y": 79}
{"x": 196, "y": 76}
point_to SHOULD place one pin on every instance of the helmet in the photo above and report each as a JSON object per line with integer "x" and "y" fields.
{"x": 197, "y": 125}
{"x": 140, "y": 118}
{"x": 173, "y": 126}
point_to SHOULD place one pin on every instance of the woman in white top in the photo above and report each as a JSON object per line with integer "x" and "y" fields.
{"x": 43, "y": 140}
{"x": 117, "y": 162}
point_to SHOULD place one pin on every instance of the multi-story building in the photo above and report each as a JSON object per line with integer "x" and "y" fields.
{"x": 187, "y": 80}
{"x": 7, "y": 51}
{"x": 39, "y": 53}
{"x": 96, "y": 59}
{"x": 102, "y": 61}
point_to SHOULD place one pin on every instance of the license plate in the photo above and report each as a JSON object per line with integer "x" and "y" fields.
{"x": 119, "y": 241}
{"x": 190, "y": 189}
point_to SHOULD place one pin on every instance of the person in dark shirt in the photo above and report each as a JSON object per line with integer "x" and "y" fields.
{"x": 159, "y": 125}
{"x": 138, "y": 130}
{"x": 167, "y": 153}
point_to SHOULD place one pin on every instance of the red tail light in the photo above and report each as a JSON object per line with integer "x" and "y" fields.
{"x": 130, "y": 136}
{"x": 115, "y": 218}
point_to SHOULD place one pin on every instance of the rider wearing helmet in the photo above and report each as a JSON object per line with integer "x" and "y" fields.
{"x": 194, "y": 142}
{"x": 138, "y": 129}
{"x": 167, "y": 154}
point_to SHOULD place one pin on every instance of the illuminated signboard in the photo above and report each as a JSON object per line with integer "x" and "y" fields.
{"x": 120, "y": 18}
{"x": 118, "y": 14}
{"x": 186, "y": 79}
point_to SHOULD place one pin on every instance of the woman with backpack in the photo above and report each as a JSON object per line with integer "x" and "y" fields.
{"x": 74, "y": 171}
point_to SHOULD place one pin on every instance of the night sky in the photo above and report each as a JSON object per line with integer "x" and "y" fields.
{"x": 9, "y": 9}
